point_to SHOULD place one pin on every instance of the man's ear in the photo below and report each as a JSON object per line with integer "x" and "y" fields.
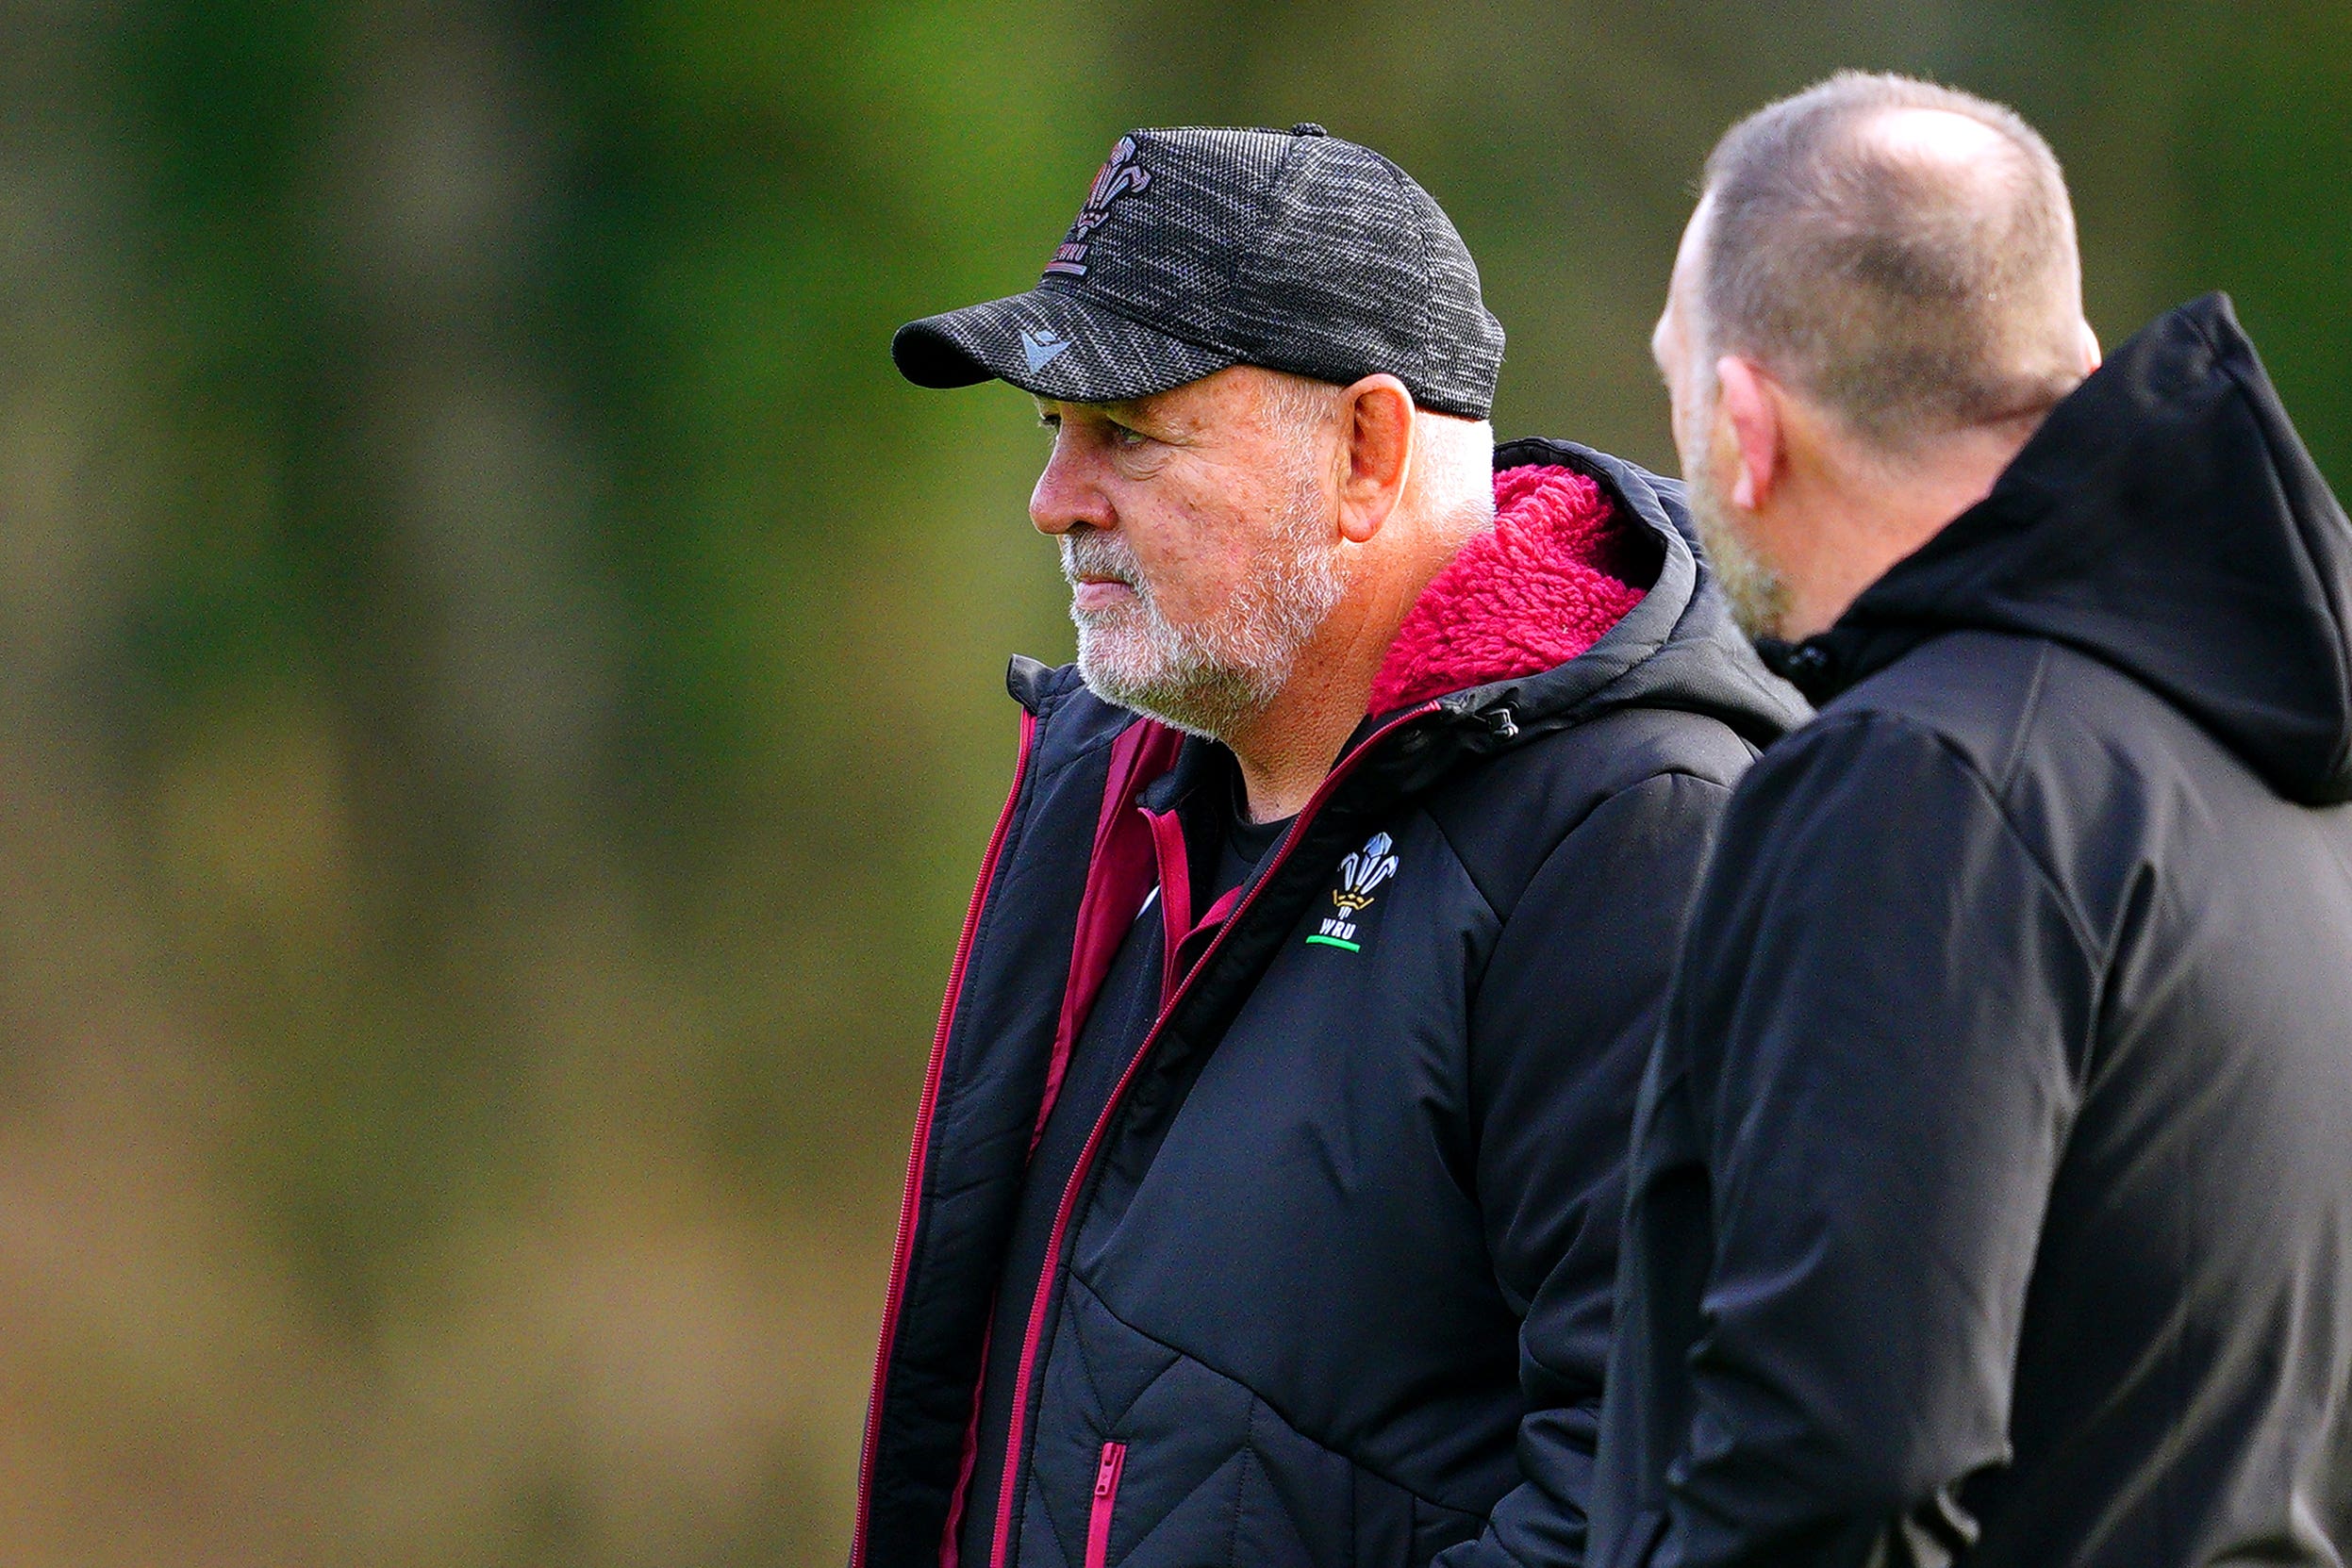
{"x": 1376, "y": 422}
{"x": 1751, "y": 406}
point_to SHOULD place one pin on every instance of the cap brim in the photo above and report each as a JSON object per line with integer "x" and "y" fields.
{"x": 1052, "y": 344}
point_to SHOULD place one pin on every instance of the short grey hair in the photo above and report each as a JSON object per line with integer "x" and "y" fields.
{"x": 1452, "y": 477}
{"x": 1909, "y": 294}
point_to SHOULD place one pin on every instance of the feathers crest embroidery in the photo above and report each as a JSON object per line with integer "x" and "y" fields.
{"x": 1359, "y": 874}
{"x": 1120, "y": 176}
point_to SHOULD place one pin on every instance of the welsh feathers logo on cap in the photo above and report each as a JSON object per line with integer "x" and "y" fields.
{"x": 1120, "y": 175}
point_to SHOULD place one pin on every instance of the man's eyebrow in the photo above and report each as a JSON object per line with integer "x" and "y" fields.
{"x": 1131, "y": 412}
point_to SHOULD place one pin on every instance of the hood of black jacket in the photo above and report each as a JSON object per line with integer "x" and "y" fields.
{"x": 2167, "y": 520}
{"x": 1676, "y": 648}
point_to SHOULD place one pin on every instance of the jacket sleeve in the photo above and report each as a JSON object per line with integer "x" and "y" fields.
{"x": 1561, "y": 1027}
{"x": 1883, "y": 1010}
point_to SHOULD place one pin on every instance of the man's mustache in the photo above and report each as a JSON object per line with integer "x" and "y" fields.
{"x": 1097, "y": 556}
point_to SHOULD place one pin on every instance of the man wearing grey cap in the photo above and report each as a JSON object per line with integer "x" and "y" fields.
{"x": 1263, "y": 1203}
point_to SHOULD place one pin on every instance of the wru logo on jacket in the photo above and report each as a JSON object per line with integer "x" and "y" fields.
{"x": 1359, "y": 873}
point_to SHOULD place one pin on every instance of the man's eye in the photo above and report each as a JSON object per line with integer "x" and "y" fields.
{"x": 1122, "y": 436}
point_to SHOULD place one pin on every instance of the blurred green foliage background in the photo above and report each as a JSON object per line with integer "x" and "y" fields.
{"x": 499, "y": 681}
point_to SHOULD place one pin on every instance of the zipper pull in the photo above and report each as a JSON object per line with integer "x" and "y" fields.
{"x": 1501, "y": 721}
{"x": 1105, "y": 1501}
{"x": 1106, "y": 1473}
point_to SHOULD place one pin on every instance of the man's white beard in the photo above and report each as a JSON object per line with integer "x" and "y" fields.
{"x": 1757, "y": 592}
{"x": 1214, "y": 678}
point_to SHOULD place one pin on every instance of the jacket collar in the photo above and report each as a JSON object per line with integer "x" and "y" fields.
{"x": 1555, "y": 572}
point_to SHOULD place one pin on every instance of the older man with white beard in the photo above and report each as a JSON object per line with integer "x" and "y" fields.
{"x": 1263, "y": 1196}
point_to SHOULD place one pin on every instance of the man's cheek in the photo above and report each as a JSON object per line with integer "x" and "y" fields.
{"x": 1182, "y": 583}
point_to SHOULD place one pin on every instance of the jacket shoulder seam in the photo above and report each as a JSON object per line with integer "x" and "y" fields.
{"x": 1504, "y": 920}
{"x": 1570, "y": 828}
{"x": 2029, "y": 715}
{"x": 2077, "y": 926}
{"x": 1485, "y": 899}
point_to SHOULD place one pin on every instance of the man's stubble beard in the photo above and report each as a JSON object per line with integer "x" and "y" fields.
{"x": 1755, "y": 589}
{"x": 1215, "y": 678}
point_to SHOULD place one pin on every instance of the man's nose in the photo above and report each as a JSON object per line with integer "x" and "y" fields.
{"x": 1069, "y": 492}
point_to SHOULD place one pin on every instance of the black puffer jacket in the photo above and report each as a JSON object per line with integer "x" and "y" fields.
{"x": 1331, "y": 1284}
{"x": 1993, "y": 1185}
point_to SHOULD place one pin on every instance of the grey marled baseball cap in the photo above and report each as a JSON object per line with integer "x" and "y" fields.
{"x": 1201, "y": 248}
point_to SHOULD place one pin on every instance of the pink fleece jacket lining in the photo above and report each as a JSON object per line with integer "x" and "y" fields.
{"x": 1538, "y": 589}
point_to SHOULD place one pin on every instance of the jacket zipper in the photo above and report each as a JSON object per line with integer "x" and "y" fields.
{"x": 1015, "y": 1429}
{"x": 903, "y": 1250}
{"x": 1105, "y": 1498}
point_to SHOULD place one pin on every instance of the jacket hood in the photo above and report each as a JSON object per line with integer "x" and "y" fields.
{"x": 1675, "y": 647}
{"x": 1556, "y": 571}
{"x": 2167, "y": 520}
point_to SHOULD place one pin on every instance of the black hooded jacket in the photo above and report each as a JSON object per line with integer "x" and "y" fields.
{"x": 1330, "y": 1282}
{"x": 1992, "y": 1187}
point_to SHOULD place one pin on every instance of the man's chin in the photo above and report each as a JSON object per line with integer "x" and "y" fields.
{"x": 1214, "y": 704}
